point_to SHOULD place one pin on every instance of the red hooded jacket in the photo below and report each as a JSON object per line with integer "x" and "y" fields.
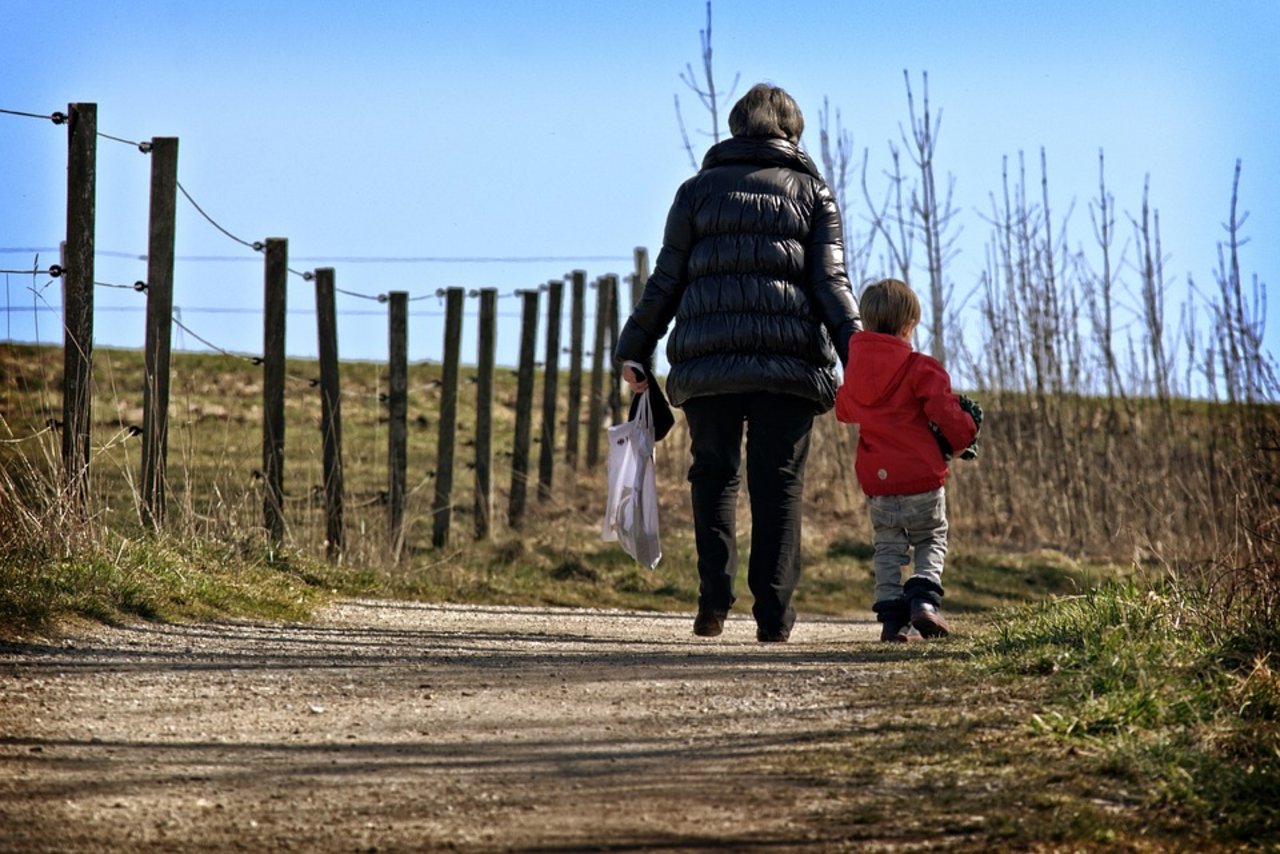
{"x": 893, "y": 393}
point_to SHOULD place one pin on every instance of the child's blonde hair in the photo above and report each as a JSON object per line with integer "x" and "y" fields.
{"x": 888, "y": 306}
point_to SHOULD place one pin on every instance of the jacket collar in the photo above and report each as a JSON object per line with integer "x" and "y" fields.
{"x": 766, "y": 151}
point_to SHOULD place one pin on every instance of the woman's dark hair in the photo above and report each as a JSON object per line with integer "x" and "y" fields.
{"x": 767, "y": 111}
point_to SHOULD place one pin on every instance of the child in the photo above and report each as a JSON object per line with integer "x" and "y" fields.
{"x": 893, "y": 394}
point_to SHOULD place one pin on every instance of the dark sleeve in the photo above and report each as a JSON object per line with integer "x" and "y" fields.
{"x": 652, "y": 315}
{"x": 829, "y": 288}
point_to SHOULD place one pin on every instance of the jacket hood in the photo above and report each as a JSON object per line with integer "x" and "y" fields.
{"x": 764, "y": 150}
{"x": 882, "y": 362}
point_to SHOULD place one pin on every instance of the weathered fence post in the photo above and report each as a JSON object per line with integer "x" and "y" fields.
{"x": 77, "y": 300}
{"x": 574, "y": 409}
{"x": 486, "y": 361}
{"x": 442, "y": 509}
{"x": 615, "y": 370}
{"x": 524, "y": 409}
{"x": 275, "y": 287}
{"x": 330, "y": 411}
{"x": 550, "y": 391}
{"x": 397, "y": 412}
{"x": 595, "y": 418}
{"x": 641, "y": 275}
{"x": 156, "y": 350}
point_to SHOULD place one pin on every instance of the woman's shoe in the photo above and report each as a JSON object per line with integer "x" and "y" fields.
{"x": 709, "y": 624}
{"x": 772, "y": 635}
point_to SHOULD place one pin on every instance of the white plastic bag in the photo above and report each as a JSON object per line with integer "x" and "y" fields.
{"x": 631, "y": 506}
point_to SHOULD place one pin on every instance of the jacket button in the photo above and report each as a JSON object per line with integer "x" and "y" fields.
{"x": 882, "y": 474}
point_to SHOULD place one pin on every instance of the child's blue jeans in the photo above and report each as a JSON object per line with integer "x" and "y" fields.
{"x": 902, "y": 523}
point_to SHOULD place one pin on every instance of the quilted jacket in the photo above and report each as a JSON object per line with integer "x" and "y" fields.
{"x": 752, "y": 272}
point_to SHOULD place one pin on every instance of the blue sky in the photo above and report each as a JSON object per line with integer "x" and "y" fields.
{"x": 546, "y": 129}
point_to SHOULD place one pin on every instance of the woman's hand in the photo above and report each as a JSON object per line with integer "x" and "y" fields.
{"x": 636, "y": 379}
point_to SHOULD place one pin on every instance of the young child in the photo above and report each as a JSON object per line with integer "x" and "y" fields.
{"x": 893, "y": 393}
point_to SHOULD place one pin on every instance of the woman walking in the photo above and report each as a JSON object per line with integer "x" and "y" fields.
{"x": 752, "y": 273}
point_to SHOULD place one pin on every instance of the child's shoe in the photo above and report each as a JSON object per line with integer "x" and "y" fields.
{"x": 895, "y": 619}
{"x": 928, "y": 620}
{"x": 895, "y": 631}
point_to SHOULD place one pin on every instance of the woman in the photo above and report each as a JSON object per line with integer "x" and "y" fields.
{"x": 752, "y": 272}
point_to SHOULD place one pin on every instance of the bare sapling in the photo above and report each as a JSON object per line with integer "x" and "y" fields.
{"x": 836, "y": 147}
{"x": 1152, "y": 294}
{"x": 712, "y": 99}
{"x": 933, "y": 217}
{"x": 889, "y": 218}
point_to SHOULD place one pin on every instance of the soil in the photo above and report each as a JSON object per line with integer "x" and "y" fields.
{"x": 391, "y": 726}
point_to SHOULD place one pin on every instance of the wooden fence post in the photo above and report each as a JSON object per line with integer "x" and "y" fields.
{"x": 330, "y": 411}
{"x": 442, "y": 509}
{"x": 397, "y": 412}
{"x": 77, "y": 301}
{"x": 574, "y": 409}
{"x": 276, "y": 272}
{"x": 486, "y": 361}
{"x": 156, "y": 351}
{"x": 595, "y": 419}
{"x": 641, "y": 276}
{"x": 550, "y": 392}
{"x": 524, "y": 409}
{"x": 615, "y": 369}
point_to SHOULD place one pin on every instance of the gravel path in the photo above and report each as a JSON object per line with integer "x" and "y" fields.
{"x": 389, "y": 726}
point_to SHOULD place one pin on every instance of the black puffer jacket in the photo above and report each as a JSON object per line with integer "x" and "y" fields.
{"x": 752, "y": 270}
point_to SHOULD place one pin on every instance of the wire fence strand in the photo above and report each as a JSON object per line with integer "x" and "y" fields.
{"x": 205, "y": 341}
{"x": 57, "y": 118}
{"x": 256, "y": 246}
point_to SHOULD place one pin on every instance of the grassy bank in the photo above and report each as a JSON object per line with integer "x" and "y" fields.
{"x": 1149, "y": 689}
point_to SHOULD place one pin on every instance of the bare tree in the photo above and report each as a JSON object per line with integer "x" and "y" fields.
{"x": 889, "y": 218}
{"x": 1153, "y": 293}
{"x": 711, "y": 99}
{"x": 1102, "y": 212}
{"x": 907, "y": 214}
{"x": 836, "y": 148}
{"x": 1248, "y": 370}
{"x": 932, "y": 215}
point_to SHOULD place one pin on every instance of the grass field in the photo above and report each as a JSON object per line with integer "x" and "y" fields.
{"x": 215, "y": 507}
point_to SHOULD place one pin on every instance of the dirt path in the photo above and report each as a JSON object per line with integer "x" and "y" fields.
{"x": 398, "y": 727}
